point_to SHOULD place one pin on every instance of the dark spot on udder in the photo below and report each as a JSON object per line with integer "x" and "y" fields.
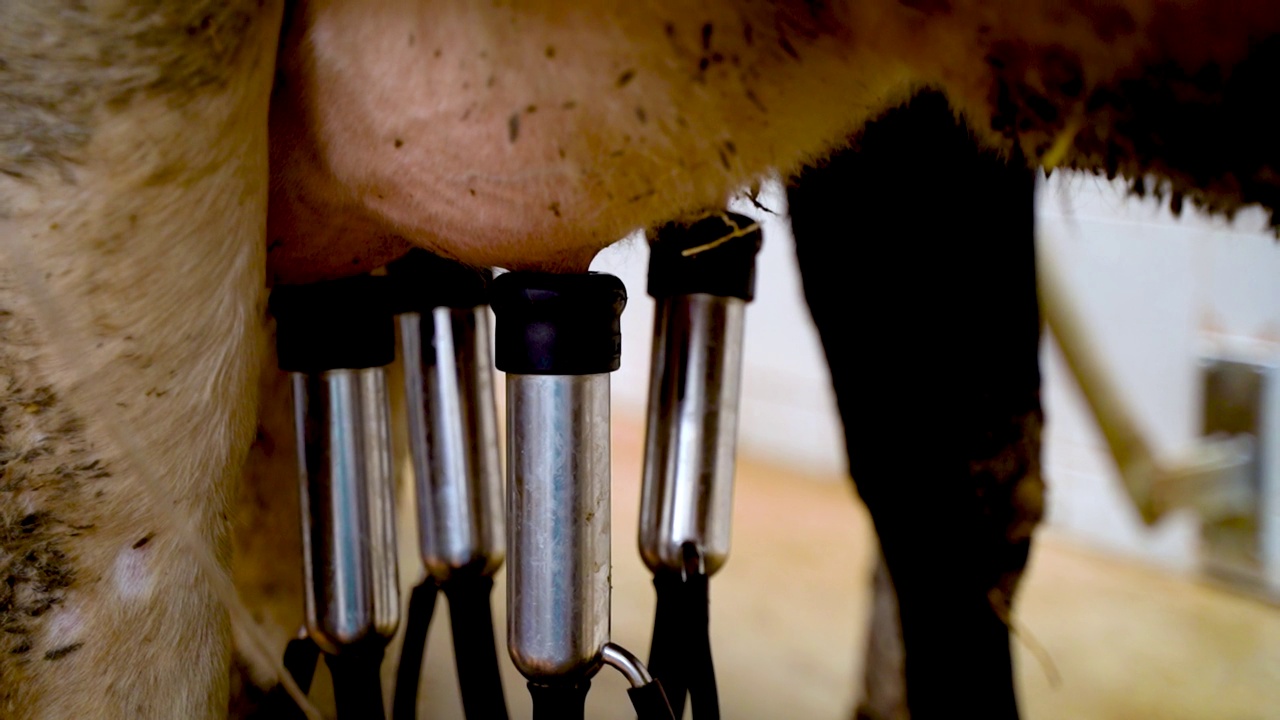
{"x": 554, "y": 208}
{"x": 626, "y": 77}
{"x": 143, "y": 541}
{"x": 787, "y": 47}
{"x": 398, "y": 143}
{"x": 706, "y": 36}
{"x": 640, "y": 115}
{"x": 928, "y": 7}
{"x": 513, "y": 127}
{"x": 551, "y": 51}
{"x": 263, "y": 440}
{"x": 61, "y": 652}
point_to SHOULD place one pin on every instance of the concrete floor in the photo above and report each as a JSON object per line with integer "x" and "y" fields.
{"x": 788, "y": 615}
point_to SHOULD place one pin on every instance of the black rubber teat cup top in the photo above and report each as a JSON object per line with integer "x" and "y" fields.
{"x": 551, "y": 324}
{"x": 714, "y": 256}
{"x": 334, "y": 325}
{"x": 421, "y": 281}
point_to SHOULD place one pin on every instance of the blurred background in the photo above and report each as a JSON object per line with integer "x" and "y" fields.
{"x": 1116, "y": 619}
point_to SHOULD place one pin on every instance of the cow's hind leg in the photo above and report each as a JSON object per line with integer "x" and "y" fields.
{"x": 132, "y": 213}
{"x": 917, "y": 257}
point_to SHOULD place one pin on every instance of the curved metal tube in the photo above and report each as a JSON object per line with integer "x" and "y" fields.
{"x": 621, "y": 659}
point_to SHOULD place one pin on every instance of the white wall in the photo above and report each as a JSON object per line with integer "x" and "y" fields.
{"x": 1155, "y": 292}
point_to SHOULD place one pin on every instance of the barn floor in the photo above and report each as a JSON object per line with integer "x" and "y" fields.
{"x": 788, "y": 613}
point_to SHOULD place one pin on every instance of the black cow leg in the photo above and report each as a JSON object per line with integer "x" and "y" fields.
{"x": 917, "y": 258}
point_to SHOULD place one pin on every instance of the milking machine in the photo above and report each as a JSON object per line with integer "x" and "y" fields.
{"x": 453, "y": 436}
{"x": 335, "y": 339}
{"x": 558, "y": 339}
{"x": 701, "y": 277}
